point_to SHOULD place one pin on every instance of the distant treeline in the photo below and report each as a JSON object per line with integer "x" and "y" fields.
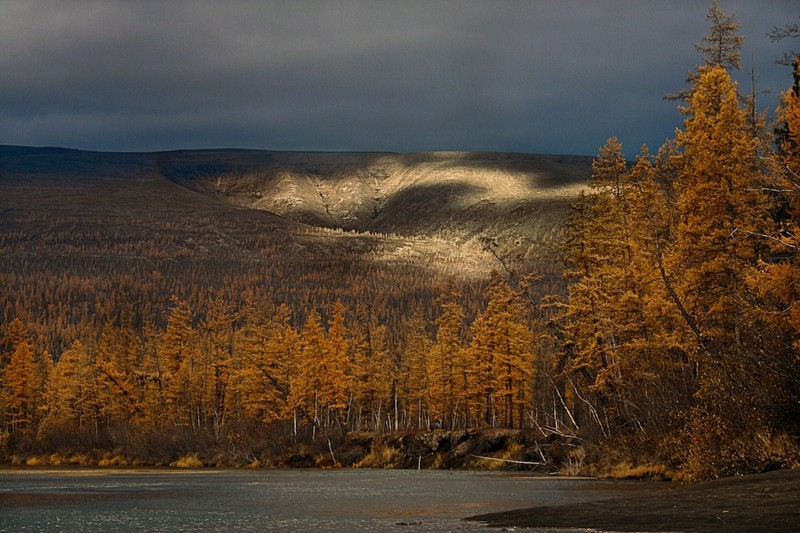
{"x": 340, "y": 371}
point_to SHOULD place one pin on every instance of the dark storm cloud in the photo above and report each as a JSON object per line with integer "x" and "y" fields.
{"x": 538, "y": 76}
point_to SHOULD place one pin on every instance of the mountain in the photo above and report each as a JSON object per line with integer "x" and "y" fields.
{"x": 377, "y": 192}
{"x": 88, "y": 232}
{"x": 520, "y": 200}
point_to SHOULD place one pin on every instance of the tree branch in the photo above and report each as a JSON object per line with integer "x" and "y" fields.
{"x": 677, "y": 301}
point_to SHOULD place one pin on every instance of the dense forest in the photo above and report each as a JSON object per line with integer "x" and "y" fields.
{"x": 670, "y": 343}
{"x": 680, "y": 325}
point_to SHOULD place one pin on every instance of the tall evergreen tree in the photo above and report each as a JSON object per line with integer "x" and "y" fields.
{"x": 721, "y": 47}
{"x": 414, "y": 378}
{"x": 500, "y": 386}
{"x": 373, "y": 370}
{"x": 722, "y": 207}
{"x": 264, "y": 364}
{"x": 444, "y": 358}
{"x": 335, "y": 377}
{"x": 180, "y": 366}
{"x": 20, "y": 392}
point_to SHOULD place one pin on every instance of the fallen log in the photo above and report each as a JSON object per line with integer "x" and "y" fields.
{"x": 531, "y": 463}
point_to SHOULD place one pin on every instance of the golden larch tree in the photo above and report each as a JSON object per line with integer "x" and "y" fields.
{"x": 722, "y": 206}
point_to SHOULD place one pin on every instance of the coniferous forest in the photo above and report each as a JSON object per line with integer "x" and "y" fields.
{"x": 662, "y": 335}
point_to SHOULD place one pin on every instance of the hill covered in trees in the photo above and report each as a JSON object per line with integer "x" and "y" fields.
{"x": 155, "y": 217}
{"x": 103, "y": 248}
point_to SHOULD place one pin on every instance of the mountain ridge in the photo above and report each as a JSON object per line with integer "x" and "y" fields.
{"x": 518, "y": 200}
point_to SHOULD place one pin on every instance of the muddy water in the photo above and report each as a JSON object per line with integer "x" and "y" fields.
{"x": 279, "y": 500}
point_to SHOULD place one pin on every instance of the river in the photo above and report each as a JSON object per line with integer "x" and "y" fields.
{"x": 95, "y": 499}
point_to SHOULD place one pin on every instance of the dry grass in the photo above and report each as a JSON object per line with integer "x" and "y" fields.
{"x": 574, "y": 465}
{"x": 646, "y": 471}
{"x": 380, "y": 456}
{"x": 188, "y": 461}
{"x": 255, "y": 464}
{"x": 55, "y": 459}
{"x": 114, "y": 460}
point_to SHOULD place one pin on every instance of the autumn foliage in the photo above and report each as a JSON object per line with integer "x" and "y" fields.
{"x": 672, "y": 338}
{"x": 679, "y": 320}
{"x": 337, "y": 371}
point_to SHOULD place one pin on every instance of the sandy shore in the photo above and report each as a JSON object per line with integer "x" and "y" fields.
{"x": 763, "y": 502}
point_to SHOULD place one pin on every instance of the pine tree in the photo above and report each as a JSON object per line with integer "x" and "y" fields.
{"x": 781, "y": 279}
{"x": 500, "y": 383}
{"x": 777, "y": 280}
{"x": 721, "y": 47}
{"x": 180, "y": 366}
{"x": 305, "y": 380}
{"x": 599, "y": 259}
{"x": 20, "y": 392}
{"x": 74, "y": 390}
{"x": 15, "y": 334}
{"x": 23, "y": 373}
{"x": 334, "y": 372}
{"x": 373, "y": 371}
{"x": 63, "y": 397}
{"x": 150, "y": 377}
{"x": 265, "y": 356}
{"x": 656, "y": 377}
{"x": 721, "y": 207}
{"x": 445, "y": 354}
{"x": 117, "y": 391}
{"x": 414, "y": 378}
{"x": 618, "y": 321}
{"x": 216, "y": 361}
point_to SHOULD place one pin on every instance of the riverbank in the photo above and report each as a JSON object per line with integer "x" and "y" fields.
{"x": 768, "y": 502}
{"x": 485, "y": 449}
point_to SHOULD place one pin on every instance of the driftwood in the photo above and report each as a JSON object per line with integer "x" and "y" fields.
{"x": 531, "y": 463}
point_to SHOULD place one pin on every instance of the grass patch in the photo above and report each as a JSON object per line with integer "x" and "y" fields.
{"x": 113, "y": 460}
{"x": 188, "y": 461}
{"x": 56, "y": 459}
{"x": 380, "y": 456}
{"x": 646, "y": 471}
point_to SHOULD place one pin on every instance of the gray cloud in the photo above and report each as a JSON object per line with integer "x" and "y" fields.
{"x": 537, "y": 76}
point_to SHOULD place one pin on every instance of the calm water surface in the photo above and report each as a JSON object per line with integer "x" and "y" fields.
{"x": 278, "y": 500}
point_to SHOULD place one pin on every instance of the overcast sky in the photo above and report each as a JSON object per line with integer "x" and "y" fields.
{"x": 557, "y": 76}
